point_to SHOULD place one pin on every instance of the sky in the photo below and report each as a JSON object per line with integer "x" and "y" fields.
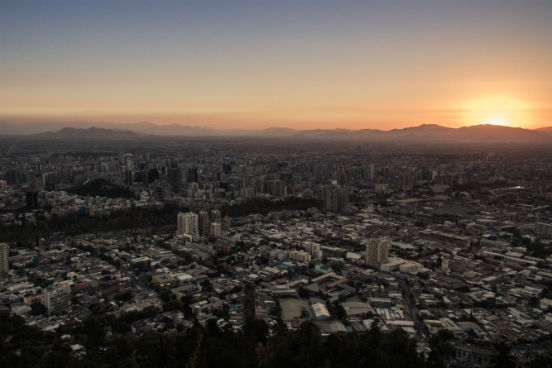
{"x": 252, "y": 64}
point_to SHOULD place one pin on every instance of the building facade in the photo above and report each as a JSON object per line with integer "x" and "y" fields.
{"x": 188, "y": 223}
{"x": 4, "y": 253}
{"x": 377, "y": 251}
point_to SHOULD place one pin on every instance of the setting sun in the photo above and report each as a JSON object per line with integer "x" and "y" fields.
{"x": 498, "y": 110}
{"x": 497, "y": 121}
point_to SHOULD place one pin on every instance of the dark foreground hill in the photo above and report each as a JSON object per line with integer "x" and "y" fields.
{"x": 25, "y": 346}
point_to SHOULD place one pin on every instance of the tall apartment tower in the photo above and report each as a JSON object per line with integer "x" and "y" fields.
{"x": 192, "y": 176}
{"x": 174, "y": 177}
{"x": 215, "y": 230}
{"x": 372, "y": 171}
{"x": 204, "y": 223}
{"x": 316, "y": 253}
{"x": 330, "y": 199}
{"x": 335, "y": 199}
{"x": 216, "y": 216}
{"x": 187, "y": 223}
{"x": 58, "y": 298}
{"x": 377, "y": 251}
{"x": 180, "y": 223}
{"x": 342, "y": 199}
{"x": 4, "y": 253}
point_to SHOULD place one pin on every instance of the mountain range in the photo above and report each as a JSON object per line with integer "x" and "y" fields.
{"x": 420, "y": 133}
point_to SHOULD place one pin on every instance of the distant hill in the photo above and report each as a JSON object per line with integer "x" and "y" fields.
{"x": 425, "y": 128}
{"x": 545, "y": 130}
{"x": 167, "y": 130}
{"x": 496, "y": 133}
{"x": 429, "y": 133}
{"x": 144, "y": 128}
{"x": 90, "y": 133}
{"x": 102, "y": 188}
{"x": 425, "y": 133}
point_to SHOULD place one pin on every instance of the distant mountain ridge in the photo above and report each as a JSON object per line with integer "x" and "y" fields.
{"x": 88, "y": 133}
{"x": 547, "y": 130}
{"x": 421, "y": 133}
{"x": 433, "y": 132}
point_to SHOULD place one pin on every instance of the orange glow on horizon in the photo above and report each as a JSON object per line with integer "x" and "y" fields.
{"x": 260, "y": 113}
{"x": 499, "y": 110}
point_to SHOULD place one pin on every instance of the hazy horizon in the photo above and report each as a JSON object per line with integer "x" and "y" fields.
{"x": 68, "y": 123}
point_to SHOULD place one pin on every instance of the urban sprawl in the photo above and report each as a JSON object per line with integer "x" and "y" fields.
{"x": 348, "y": 237}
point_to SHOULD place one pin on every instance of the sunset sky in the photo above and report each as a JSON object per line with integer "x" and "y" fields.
{"x": 291, "y": 63}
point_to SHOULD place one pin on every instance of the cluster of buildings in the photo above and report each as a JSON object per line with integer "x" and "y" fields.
{"x": 418, "y": 242}
{"x": 204, "y": 223}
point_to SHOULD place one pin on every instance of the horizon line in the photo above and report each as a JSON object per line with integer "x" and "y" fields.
{"x": 304, "y": 130}
{"x": 69, "y": 124}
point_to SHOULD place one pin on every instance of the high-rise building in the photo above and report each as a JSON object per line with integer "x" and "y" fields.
{"x": 276, "y": 187}
{"x": 58, "y": 298}
{"x": 330, "y": 199}
{"x": 215, "y": 230}
{"x": 174, "y": 177}
{"x": 180, "y": 223}
{"x": 31, "y": 199}
{"x": 216, "y": 216}
{"x": 187, "y": 223}
{"x": 4, "y": 253}
{"x": 377, "y": 251}
{"x": 204, "y": 223}
{"x": 193, "y": 190}
{"x": 192, "y": 175}
{"x": 342, "y": 199}
{"x": 128, "y": 161}
{"x": 335, "y": 199}
{"x": 314, "y": 249}
{"x": 372, "y": 171}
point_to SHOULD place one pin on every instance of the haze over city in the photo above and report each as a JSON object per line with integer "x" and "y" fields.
{"x": 257, "y": 64}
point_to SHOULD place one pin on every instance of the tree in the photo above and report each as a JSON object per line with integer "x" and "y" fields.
{"x": 541, "y": 361}
{"x": 56, "y": 358}
{"x": 441, "y": 348}
{"x": 257, "y": 331}
{"x": 95, "y": 332}
{"x": 503, "y": 358}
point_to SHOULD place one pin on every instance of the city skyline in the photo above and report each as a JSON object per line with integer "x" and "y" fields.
{"x": 258, "y": 64}
{"x": 262, "y": 183}
{"x": 110, "y": 238}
